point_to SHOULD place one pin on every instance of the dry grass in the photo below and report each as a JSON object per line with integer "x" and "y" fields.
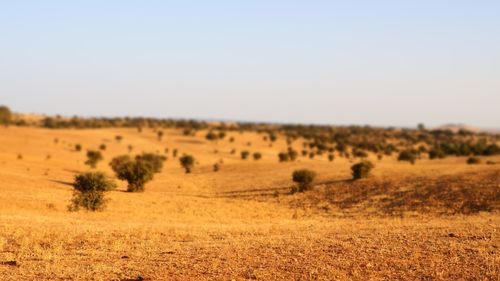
{"x": 433, "y": 220}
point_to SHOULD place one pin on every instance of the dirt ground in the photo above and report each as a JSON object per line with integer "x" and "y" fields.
{"x": 435, "y": 220}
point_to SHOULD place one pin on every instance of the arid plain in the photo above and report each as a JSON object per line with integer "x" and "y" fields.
{"x": 434, "y": 220}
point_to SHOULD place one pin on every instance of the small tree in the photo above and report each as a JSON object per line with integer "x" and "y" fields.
{"x": 159, "y": 134}
{"x": 93, "y": 157}
{"x": 244, "y": 154}
{"x": 89, "y": 191}
{"x": 136, "y": 173}
{"x": 292, "y": 154}
{"x": 153, "y": 160}
{"x": 216, "y": 167}
{"x": 436, "y": 153}
{"x": 187, "y": 162}
{"x": 331, "y": 157}
{"x": 473, "y": 160}
{"x": 257, "y": 156}
{"x": 212, "y": 136}
{"x": 283, "y": 157}
{"x": 304, "y": 179}
{"x": 407, "y": 155}
{"x": 5, "y": 115}
{"x": 361, "y": 169}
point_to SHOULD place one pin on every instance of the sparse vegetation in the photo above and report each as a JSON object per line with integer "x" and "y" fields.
{"x": 136, "y": 173}
{"x": 257, "y": 156}
{"x": 244, "y": 154}
{"x": 362, "y": 169}
{"x": 473, "y": 160}
{"x": 93, "y": 157}
{"x": 304, "y": 179}
{"x": 187, "y": 162}
{"x": 5, "y": 115}
{"x": 407, "y": 155}
{"x": 89, "y": 191}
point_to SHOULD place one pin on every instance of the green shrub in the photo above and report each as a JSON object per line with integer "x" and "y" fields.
{"x": 244, "y": 154}
{"x": 93, "y": 157}
{"x": 5, "y": 115}
{"x": 292, "y": 154}
{"x": 283, "y": 157}
{"x": 155, "y": 161}
{"x": 473, "y": 160}
{"x": 356, "y": 152}
{"x": 89, "y": 191}
{"x": 436, "y": 153}
{"x": 216, "y": 167}
{"x": 257, "y": 156}
{"x": 407, "y": 155}
{"x": 362, "y": 169}
{"x": 136, "y": 173}
{"x": 211, "y": 136}
{"x": 304, "y": 179}
{"x": 187, "y": 162}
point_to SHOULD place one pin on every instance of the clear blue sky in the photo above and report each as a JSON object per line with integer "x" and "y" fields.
{"x": 341, "y": 62}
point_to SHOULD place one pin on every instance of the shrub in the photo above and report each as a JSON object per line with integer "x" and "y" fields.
{"x": 233, "y": 151}
{"x": 187, "y": 162}
{"x": 93, "y": 157}
{"x": 361, "y": 169}
{"x": 211, "y": 136}
{"x": 304, "y": 153}
{"x": 257, "y": 156}
{"x": 359, "y": 153}
{"x": 331, "y": 157}
{"x": 473, "y": 160}
{"x": 292, "y": 154}
{"x": 5, "y": 115}
{"x": 283, "y": 157}
{"x": 304, "y": 179}
{"x": 407, "y": 155}
{"x": 155, "y": 161}
{"x": 102, "y": 147}
{"x": 89, "y": 191}
{"x": 130, "y": 148}
{"x": 436, "y": 153}
{"x": 136, "y": 173}
{"x": 118, "y": 138}
{"x": 174, "y": 152}
{"x": 216, "y": 167}
{"x": 159, "y": 134}
{"x": 244, "y": 154}
{"x": 272, "y": 137}
{"x": 78, "y": 147}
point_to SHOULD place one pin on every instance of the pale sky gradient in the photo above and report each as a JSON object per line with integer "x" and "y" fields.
{"x": 386, "y": 63}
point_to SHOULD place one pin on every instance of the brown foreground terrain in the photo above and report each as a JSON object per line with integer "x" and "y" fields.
{"x": 435, "y": 220}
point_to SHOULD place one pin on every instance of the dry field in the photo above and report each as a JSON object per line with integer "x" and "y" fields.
{"x": 435, "y": 220}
